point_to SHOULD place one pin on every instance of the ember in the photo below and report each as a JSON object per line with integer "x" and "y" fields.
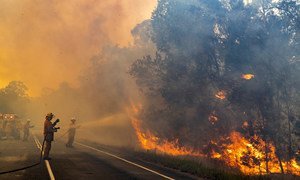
{"x": 247, "y": 76}
{"x": 245, "y": 124}
{"x": 213, "y": 119}
{"x": 221, "y": 95}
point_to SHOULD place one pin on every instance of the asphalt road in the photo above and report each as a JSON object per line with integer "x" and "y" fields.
{"x": 85, "y": 161}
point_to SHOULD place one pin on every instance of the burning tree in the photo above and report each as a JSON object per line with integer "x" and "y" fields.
{"x": 232, "y": 64}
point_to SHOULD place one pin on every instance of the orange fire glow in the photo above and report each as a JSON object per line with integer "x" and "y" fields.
{"x": 245, "y": 124}
{"x": 247, "y": 155}
{"x": 250, "y": 158}
{"x": 148, "y": 141}
{"x": 247, "y": 76}
{"x": 213, "y": 119}
{"x": 221, "y": 95}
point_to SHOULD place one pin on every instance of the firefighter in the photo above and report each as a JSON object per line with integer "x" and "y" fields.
{"x": 26, "y": 128}
{"x": 1, "y": 126}
{"x": 71, "y": 133}
{"x": 4, "y": 129}
{"x": 49, "y": 130}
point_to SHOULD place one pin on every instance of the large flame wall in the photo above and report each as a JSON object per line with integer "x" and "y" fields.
{"x": 252, "y": 157}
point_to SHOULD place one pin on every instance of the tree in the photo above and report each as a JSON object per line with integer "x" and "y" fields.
{"x": 14, "y": 98}
{"x": 206, "y": 47}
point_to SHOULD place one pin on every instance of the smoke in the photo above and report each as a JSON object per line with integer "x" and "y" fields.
{"x": 48, "y": 42}
{"x": 104, "y": 93}
{"x": 13, "y": 158}
{"x": 204, "y": 47}
{"x": 215, "y": 68}
{"x": 74, "y": 58}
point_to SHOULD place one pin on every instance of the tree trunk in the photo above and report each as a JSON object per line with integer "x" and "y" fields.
{"x": 280, "y": 164}
{"x": 267, "y": 157}
{"x": 289, "y": 129}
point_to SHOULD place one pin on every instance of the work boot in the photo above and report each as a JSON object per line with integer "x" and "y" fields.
{"x": 47, "y": 158}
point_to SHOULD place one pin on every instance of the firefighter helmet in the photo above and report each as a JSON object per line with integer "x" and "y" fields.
{"x": 50, "y": 115}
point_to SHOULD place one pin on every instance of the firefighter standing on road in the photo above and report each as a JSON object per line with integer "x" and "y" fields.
{"x": 1, "y": 126}
{"x": 26, "y": 128}
{"x": 71, "y": 133}
{"x": 49, "y": 130}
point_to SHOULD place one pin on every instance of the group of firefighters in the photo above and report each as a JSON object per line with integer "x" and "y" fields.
{"x": 11, "y": 127}
{"x": 15, "y": 127}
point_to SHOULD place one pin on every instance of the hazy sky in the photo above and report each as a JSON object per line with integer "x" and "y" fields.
{"x": 45, "y": 42}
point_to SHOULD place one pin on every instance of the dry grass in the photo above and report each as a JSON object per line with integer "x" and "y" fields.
{"x": 200, "y": 167}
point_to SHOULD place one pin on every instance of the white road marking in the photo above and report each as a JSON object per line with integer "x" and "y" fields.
{"x": 39, "y": 145}
{"x": 49, "y": 170}
{"x": 122, "y": 159}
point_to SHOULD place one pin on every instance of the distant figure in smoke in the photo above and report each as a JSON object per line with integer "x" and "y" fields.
{"x": 72, "y": 132}
{"x": 26, "y": 128}
{"x": 1, "y": 126}
{"x": 49, "y": 129}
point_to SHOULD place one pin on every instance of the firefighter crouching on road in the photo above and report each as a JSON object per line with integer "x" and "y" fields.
{"x": 71, "y": 133}
{"x": 26, "y": 128}
{"x": 49, "y": 129}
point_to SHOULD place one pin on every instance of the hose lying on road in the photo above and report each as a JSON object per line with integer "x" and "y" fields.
{"x": 27, "y": 167}
{"x": 36, "y": 164}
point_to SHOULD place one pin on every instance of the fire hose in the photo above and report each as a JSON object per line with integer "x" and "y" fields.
{"x": 35, "y": 164}
{"x": 65, "y": 133}
{"x": 60, "y": 137}
{"x": 30, "y": 166}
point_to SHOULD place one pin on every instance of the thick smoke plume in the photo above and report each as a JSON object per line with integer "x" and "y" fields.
{"x": 212, "y": 77}
{"x": 72, "y": 58}
{"x": 47, "y": 42}
{"x": 104, "y": 93}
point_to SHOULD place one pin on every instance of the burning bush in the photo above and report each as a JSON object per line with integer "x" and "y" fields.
{"x": 208, "y": 46}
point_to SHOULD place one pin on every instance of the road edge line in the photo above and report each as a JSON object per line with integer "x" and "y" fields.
{"x": 48, "y": 166}
{"x": 122, "y": 159}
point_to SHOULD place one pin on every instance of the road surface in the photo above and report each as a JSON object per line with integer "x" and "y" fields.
{"x": 85, "y": 161}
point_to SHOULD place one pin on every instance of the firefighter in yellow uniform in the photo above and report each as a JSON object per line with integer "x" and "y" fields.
{"x": 71, "y": 133}
{"x": 49, "y": 130}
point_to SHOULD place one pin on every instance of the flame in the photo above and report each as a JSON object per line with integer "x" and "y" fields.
{"x": 221, "y": 95}
{"x": 149, "y": 141}
{"x": 215, "y": 155}
{"x": 247, "y": 76}
{"x": 245, "y": 125}
{"x": 247, "y": 155}
{"x": 213, "y": 119}
{"x": 250, "y": 158}
{"x": 135, "y": 109}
